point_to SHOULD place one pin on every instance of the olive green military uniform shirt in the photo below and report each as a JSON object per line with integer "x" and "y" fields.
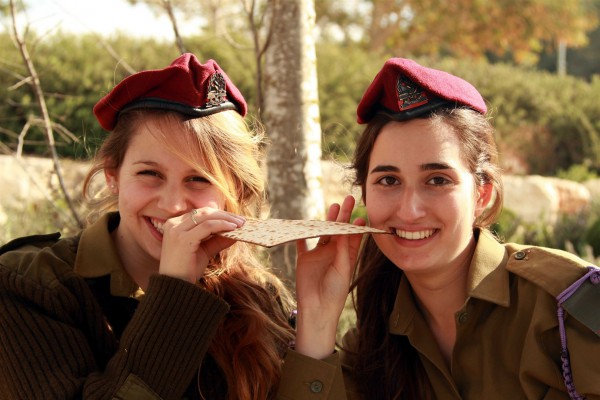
{"x": 507, "y": 341}
{"x": 73, "y": 324}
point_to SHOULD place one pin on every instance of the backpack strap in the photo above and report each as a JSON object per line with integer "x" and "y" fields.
{"x": 585, "y": 290}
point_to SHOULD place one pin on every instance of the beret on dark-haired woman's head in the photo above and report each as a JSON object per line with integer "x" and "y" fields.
{"x": 405, "y": 89}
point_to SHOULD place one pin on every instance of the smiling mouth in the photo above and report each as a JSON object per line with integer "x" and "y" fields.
{"x": 159, "y": 226}
{"x": 416, "y": 235}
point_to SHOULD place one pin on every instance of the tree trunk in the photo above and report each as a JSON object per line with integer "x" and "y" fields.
{"x": 292, "y": 122}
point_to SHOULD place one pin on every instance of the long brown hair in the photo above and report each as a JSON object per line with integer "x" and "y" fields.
{"x": 390, "y": 360}
{"x": 253, "y": 338}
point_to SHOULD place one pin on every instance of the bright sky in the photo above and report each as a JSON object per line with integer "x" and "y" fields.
{"x": 100, "y": 16}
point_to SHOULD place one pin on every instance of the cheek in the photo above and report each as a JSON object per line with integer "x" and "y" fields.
{"x": 209, "y": 198}
{"x": 377, "y": 209}
{"x": 133, "y": 194}
{"x": 129, "y": 199}
{"x": 465, "y": 204}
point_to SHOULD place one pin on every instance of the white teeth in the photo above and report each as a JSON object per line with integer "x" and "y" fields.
{"x": 158, "y": 225}
{"x": 414, "y": 235}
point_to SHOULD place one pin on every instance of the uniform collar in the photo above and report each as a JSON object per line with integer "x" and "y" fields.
{"x": 97, "y": 256}
{"x": 488, "y": 280}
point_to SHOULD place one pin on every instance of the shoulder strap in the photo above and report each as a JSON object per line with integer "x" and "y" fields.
{"x": 37, "y": 240}
{"x": 581, "y": 300}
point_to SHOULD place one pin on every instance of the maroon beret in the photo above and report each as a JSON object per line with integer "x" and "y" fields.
{"x": 186, "y": 86}
{"x": 407, "y": 90}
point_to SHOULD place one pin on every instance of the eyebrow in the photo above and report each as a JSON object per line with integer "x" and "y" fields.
{"x": 424, "y": 167}
{"x": 145, "y": 162}
{"x": 154, "y": 164}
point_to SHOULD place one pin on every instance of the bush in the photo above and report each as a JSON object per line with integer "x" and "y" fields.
{"x": 561, "y": 115}
{"x": 507, "y": 225}
{"x": 592, "y": 237}
{"x": 38, "y": 218}
{"x": 573, "y": 233}
{"x": 578, "y": 173}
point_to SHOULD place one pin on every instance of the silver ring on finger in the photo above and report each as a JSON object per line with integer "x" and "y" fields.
{"x": 193, "y": 214}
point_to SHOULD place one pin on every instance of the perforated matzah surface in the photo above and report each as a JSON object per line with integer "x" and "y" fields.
{"x": 271, "y": 232}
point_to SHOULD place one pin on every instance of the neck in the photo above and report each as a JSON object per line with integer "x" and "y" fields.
{"x": 440, "y": 298}
{"x": 440, "y": 295}
{"x": 136, "y": 263}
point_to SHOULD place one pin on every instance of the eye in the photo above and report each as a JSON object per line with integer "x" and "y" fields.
{"x": 149, "y": 172}
{"x": 197, "y": 182}
{"x": 198, "y": 179}
{"x": 439, "y": 181}
{"x": 387, "y": 181}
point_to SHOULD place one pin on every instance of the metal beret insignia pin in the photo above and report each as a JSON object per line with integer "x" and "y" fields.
{"x": 409, "y": 94}
{"x": 217, "y": 93}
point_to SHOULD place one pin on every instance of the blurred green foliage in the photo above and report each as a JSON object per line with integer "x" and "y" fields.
{"x": 37, "y": 218}
{"x": 578, "y": 173}
{"x": 578, "y": 233}
{"x": 592, "y": 237}
{"x": 550, "y": 123}
{"x": 545, "y": 122}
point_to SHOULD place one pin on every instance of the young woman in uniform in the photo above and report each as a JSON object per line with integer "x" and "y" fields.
{"x": 444, "y": 309}
{"x": 148, "y": 302}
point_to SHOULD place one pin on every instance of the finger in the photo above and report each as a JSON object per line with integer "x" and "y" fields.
{"x": 354, "y": 242}
{"x": 215, "y": 244}
{"x": 301, "y": 246}
{"x": 346, "y": 209}
{"x": 333, "y": 211}
{"x": 193, "y": 216}
{"x": 207, "y": 215}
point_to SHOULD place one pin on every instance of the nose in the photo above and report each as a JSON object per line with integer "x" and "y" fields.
{"x": 410, "y": 206}
{"x": 173, "y": 199}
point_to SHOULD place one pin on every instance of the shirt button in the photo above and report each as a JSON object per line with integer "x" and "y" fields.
{"x": 462, "y": 317}
{"x": 316, "y": 386}
{"x": 520, "y": 255}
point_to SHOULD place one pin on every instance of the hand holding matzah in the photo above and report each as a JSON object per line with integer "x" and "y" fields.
{"x": 271, "y": 232}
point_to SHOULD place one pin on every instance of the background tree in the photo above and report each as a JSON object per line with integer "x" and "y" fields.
{"x": 474, "y": 28}
{"x": 291, "y": 117}
{"x": 583, "y": 62}
{"x": 289, "y": 109}
{"x": 33, "y": 80}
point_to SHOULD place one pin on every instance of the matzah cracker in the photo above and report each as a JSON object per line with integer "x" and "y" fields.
{"x": 271, "y": 232}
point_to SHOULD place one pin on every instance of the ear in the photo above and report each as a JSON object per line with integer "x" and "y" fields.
{"x": 112, "y": 180}
{"x": 484, "y": 196}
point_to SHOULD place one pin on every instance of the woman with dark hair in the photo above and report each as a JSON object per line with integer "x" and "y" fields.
{"x": 149, "y": 302}
{"x": 444, "y": 310}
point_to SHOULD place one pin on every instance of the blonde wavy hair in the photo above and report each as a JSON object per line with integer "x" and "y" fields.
{"x": 255, "y": 335}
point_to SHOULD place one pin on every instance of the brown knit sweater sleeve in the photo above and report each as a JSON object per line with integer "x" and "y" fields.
{"x": 53, "y": 337}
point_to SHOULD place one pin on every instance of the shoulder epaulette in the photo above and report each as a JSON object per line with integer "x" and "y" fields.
{"x": 550, "y": 269}
{"x": 573, "y": 282}
{"x": 37, "y": 240}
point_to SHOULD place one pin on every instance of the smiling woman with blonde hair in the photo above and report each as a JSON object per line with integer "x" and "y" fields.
{"x": 150, "y": 301}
